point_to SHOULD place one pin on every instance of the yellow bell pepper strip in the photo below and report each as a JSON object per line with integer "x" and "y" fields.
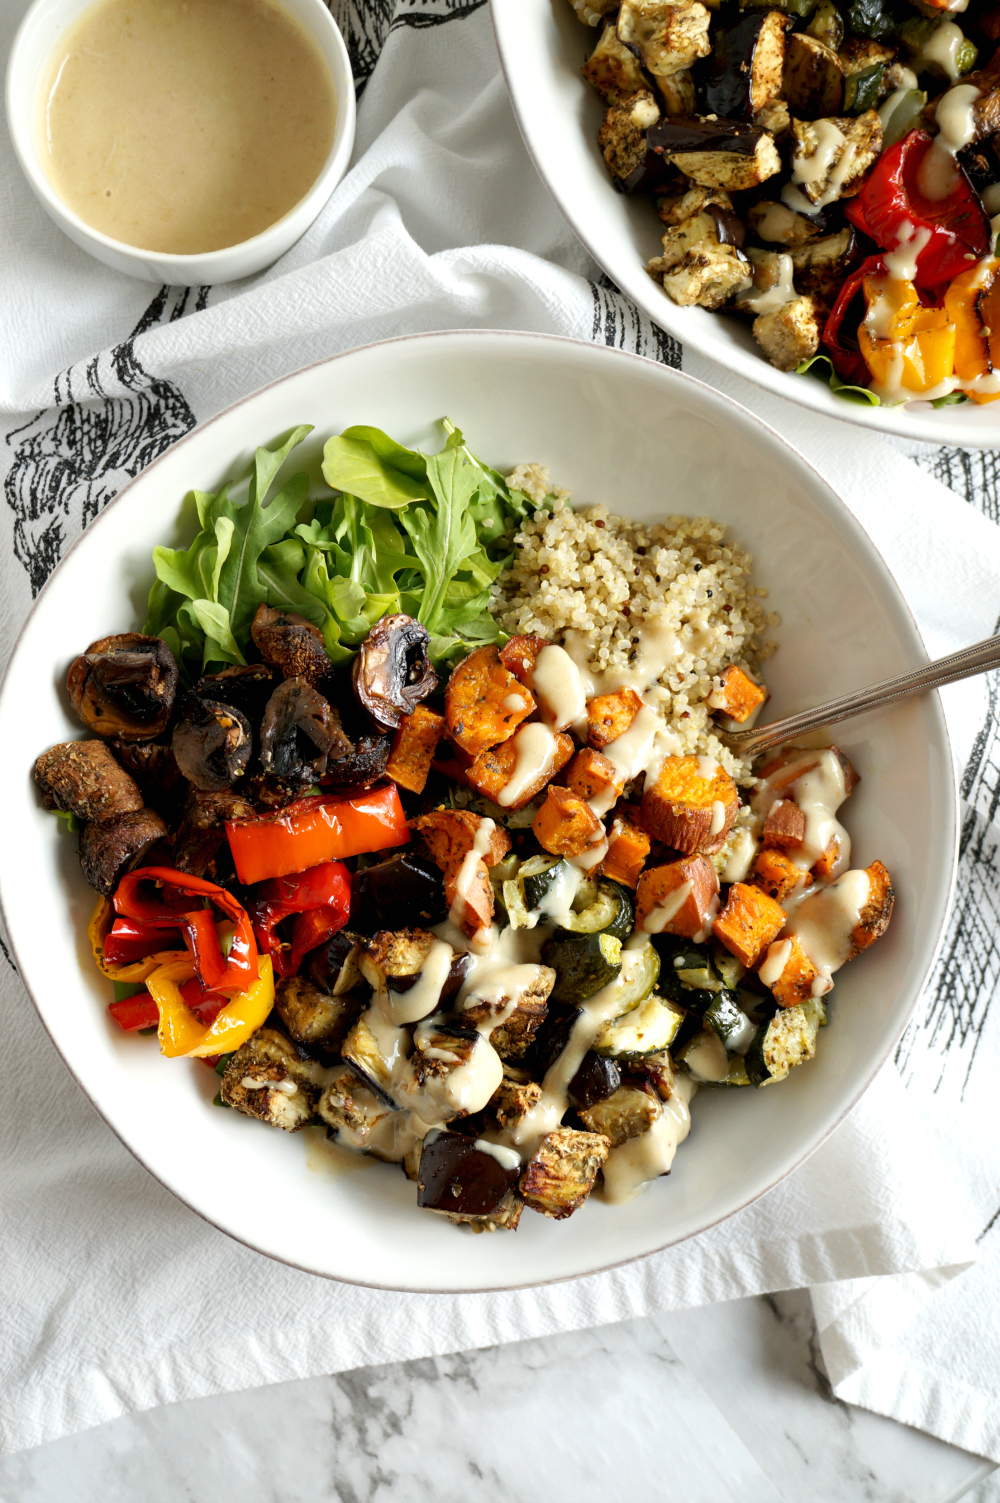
{"x": 138, "y": 970}
{"x": 903, "y": 343}
{"x": 972, "y": 302}
{"x": 180, "y": 1032}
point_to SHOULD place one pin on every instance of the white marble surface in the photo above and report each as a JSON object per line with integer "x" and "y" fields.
{"x": 726, "y": 1404}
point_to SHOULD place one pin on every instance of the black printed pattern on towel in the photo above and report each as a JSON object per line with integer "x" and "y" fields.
{"x": 619, "y": 323}
{"x": 972, "y": 473}
{"x": 72, "y": 458}
{"x": 366, "y": 24}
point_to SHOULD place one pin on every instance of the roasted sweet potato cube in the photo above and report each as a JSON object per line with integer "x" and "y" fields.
{"x": 590, "y": 774}
{"x": 562, "y": 1171}
{"x": 789, "y": 972}
{"x": 690, "y": 807}
{"x": 830, "y": 863}
{"x": 484, "y": 703}
{"x": 794, "y": 762}
{"x": 413, "y": 748}
{"x": 610, "y": 715}
{"x": 875, "y": 915}
{"x": 450, "y": 834}
{"x": 737, "y": 695}
{"x": 784, "y": 827}
{"x": 677, "y": 898}
{"x": 777, "y": 875}
{"x": 628, "y": 848}
{"x": 566, "y": 825}
{"x": 748, "y": 923}
{"x": 520, "y": 654}
{"x": 493, "y": 769}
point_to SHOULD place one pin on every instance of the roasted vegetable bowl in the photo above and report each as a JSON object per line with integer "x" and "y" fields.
{"x": 481, "y": 900}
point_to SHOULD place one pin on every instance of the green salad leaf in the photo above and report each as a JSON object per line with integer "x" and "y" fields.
{"x": 424, "y": 534}
{"x": 838, "y": 387}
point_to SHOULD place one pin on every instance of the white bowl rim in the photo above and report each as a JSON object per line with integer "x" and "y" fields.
{"x": 194, "y": 265}
{"x": 635, "y": 284}
{"x": 669, "y": 374}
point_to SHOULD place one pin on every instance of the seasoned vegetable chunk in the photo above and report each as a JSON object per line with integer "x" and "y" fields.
{"x": 453, "y": 1071}
{"x": 821, "y": 147}
{"x": 788, "y": 1040}
{"x": 877, "y": 912}
{"x": 494, "y": 768}
{"x": 610, "y": 715}
{"x": 468, "y": 1181}
{"x": 677, "y": 898}
{"x": 413, "y": 748}
{"x": 562, "y": 1171}
{"x": 565, "y": 825}
{"x": 613, "y": 70}
{"x": 630, "y": 1112}
{"x": 513, "y": 1005}
{"x": 483, "y": 703}
{"x": 83, "y": 778}
{"x": 668, "y": 35}
{"x": 353, "y": 1112}
{"x": 748, "y": 923}
{"x": 266, "y": 1079}
{"x": 789, "y": 972}
{"x": 647, "y": 1029}
{"x": 590, "y": 775}
{"x": 784, "y": 827}
{"x": 736, "y": 694}
{"x": 313, "y": 1017}
{"x": 690, "y": 807}
{"x": 513, "y": 1099}
{"x": 777, "y": 875}
{"x": 628, "y": 848}
{"x": 789, "y": 334}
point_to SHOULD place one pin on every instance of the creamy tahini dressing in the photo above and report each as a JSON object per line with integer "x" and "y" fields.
{"x": 559, "y": 688}
{"x": 656, "y": 921}
{"x": 741, "y": 857}
{"x": 465, "y": 880}
{"x": 184, "y": 126}
{"x": 777, "y": 958}
{"x": 629, "y": 1167}
{"x": 819, "y": 791}
{"x": 423, "y": 996}
{"x": 824, "y": 920}
{"x": 956, "y": 124}
{"x": 535, "y": 749}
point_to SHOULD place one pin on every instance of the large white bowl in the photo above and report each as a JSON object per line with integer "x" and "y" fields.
{"x": 616, "y": 429}
{"x": 44, "y": 22}
{"x": 542, "y": 48}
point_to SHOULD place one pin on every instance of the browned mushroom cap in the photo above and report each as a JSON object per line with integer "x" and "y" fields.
{"x": 291, "y": 643}
{"x": 245, "y": 686}
{"x": 392, "y": 672}
{"x": 362, "y": 768}
{"x": 154, "y": 767}
{"x": 124, "y": 686}
{"x": 212, "y": 743}
{"x": 83, "y": 778}
{"x": 113, "y": 847}
{"x": 202, "y": 830}
{"x": 300, "y": 733}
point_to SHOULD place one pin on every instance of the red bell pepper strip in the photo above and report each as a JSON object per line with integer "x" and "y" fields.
{"x": 135, "y": 1012}
{"x": 892, "y": 206}
{"x": 315, "y": 830}
{"x": 321, "y": 897}
{"x": 205, "y": 1005}
{"x": 129, "y": 940}
{"x": 847, "y": 359}
{"x": 161, "y": 899}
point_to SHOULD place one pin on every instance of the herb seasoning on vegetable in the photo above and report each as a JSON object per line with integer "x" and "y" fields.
{"x": 408, "y": 814}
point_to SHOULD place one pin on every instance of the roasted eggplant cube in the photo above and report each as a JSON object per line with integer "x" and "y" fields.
{"x": 658, "y": 1068}
{"x": 467, "y": 1182}
{"x": 407, "y": 888}
{"x": 596, "y": 1080}
{"x": 453, "y": 1072}
{"x": 747, "y": 65}
{"x": 716, "y": 153}
{"x": 266, "y": 1079}
{"x": 788, "y": 1039}
{"x": 634, "y": 166}
{"x": 697, "y": 268}
{"x": 313, "y": 1017}
{"x": 517, "y": 1006}
{"x": 613, "y": 69}
{"x": 790, "y": 334}
{"x": 666, "y": 35}
{"x": 629, "y": 1113}
{"x": 394, "y": 960}
{"x": 814, "y": 78}
{"x": 350, "y": 1110}
{"x": 822, "y": 266}
{"x": 819, "y": 150}
{"x": 648, "y": 1028}
{"x": 373, "y": 1053}
{"x": 562, "y": 1171}
{"x": 514, "y": 1099}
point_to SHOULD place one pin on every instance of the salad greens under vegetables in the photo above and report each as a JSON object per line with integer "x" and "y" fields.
{"x": 404, "y": 531}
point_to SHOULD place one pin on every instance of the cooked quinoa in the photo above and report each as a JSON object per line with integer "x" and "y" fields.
{"x": 600, "y": 574}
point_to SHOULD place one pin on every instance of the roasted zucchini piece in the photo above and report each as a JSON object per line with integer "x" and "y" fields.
{"x": 537, "y": 876}
{"x": 788, "y": 1039}
{"x": 612, "y": 911}
{"x": 584, "y": 963}
{"x": 647, "y": 1028}
{"x": 629, "y": 1113}
{"x": 705, "y": 1057}
{"x": 736, "y": 1075}
{"x": 726, "y": 1017}
{"x": 562, "y": 1171}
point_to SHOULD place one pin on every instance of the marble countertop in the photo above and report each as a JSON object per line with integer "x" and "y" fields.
{"x": 724, "y": 1404}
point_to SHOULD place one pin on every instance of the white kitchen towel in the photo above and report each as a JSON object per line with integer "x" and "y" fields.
{"x": 117, "y": 1297}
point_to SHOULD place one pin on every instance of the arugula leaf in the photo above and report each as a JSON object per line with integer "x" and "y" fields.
{"x": 373, "y": 467}
{"x": 951, "y": 400}
{"x": 838, "y": 387}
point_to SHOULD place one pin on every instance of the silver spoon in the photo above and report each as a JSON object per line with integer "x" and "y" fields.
{"x": 964, "y": 664}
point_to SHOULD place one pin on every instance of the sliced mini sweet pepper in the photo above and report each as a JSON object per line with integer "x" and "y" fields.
{"x": 903, "y": 343}
{"x": 180, "y": 1031}
{"x": 316, "y": 830}
{"x": 893, "y": 209}
{"x": 321, "y": 900}
{"x": 98, "y": 930}
{"x": 132, "y": 1013}
{"x": 840, "y": 330}
{"x": 972, "y": 302}
{"x": 167, "y": 901}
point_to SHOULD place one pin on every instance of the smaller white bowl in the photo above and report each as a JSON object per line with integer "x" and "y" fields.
{"x": 38, "y": 34}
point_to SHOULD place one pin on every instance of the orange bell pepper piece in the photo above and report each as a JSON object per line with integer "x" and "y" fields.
{"x": 901, "y": 339}
{"x": 972, "y": 302}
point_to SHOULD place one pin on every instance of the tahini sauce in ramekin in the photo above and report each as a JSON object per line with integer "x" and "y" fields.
{"x": 185, "y": 126}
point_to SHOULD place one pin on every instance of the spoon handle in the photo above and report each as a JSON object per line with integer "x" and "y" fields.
{"x": 964, "y": 664}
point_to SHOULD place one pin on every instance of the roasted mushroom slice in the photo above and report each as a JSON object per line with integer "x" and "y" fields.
{"x": 469, "y": 1180}
{"x": 392, "y": 672}
{"x": 154, "y": 767}
{"x": 300, "y": 733}
{"x": 115, "y": 846}
{"x": 124, "y": 686}
{"x": 83, "y": 778}
{"x": 747, "y": 64}
{"x": 362, "y": 767}
{"x": 211, "y": 742}
{"x": 290, "y": 643}
{"x": 246, "y": 687}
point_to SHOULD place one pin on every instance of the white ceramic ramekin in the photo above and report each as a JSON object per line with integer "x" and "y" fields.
{"x": 38, "y": 34}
